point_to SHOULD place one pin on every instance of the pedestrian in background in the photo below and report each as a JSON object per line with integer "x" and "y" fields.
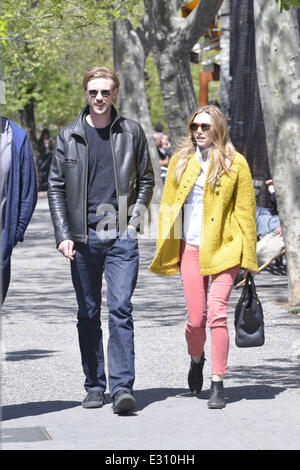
{"x": 101, "y": 172}
{"x": 45, "y": 145}
{"x": 18, "y": 192}
{"x": 211, "y": 184}
{"x": 164, "y": 152}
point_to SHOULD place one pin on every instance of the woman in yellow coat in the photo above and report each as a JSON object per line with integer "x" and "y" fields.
{"x": 207, "y": 228}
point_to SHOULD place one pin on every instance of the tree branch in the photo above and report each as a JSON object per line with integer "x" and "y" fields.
{"x": 145, "y": 31}
{"x": 194, "y": 26}
{"x": 166, "y": 10}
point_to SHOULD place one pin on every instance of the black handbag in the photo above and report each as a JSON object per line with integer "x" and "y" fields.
{"x": 249, "y": 318}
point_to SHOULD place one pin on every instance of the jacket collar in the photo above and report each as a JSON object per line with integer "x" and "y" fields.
{"x": 189, "y": 177}
{"x": 79, "y": 124}
{"x": 3, "y": 122}
{"x": 18, "y": 134}
{"x": 191, "y": 173}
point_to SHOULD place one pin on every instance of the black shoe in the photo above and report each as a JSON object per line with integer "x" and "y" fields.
{"x": 195, "y": 377}
{"x": 123, "y": 402}
{"x": 94, "y": 399}
{"x": 217, "y": 397}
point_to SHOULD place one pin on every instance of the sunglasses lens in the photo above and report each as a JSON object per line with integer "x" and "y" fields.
{"x": 93, "y": 93}
{"x": 104, "y": 93}
{"x": 194, "y": 127}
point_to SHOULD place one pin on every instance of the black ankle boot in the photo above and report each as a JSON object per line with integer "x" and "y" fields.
{"x": 195, "y": 376}
{"x": 217, "y": 397}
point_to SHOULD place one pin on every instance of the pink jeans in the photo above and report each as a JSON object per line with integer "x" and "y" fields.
{"x": 195, "y": 289}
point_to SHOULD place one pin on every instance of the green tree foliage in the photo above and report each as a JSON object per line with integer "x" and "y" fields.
{"x": 47, "y": 44}
{"x": 287, "y": 4}
{"x": 45, "y": 47}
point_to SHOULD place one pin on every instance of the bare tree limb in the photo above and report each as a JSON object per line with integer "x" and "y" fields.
{"x": 197, "y": 22}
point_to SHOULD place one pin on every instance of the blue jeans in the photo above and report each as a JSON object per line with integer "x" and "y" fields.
{"x": 118, "y": 259}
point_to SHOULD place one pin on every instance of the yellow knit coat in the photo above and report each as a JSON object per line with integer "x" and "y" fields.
{"x": 228, "y": 231}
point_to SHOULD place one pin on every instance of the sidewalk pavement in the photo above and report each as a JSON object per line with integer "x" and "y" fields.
{"x": 42, "y": 379}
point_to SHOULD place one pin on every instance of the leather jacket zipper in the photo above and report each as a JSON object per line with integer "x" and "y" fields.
{"x": 86, "y": 193}
{"x": 114, "y": 157}
{"x": 86, "y": 189}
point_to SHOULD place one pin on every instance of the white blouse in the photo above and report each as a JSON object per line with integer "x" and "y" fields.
{"x": 193, "y": 205}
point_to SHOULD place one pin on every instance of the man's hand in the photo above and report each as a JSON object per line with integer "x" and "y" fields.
{"x": 66, "y": 248}
{"x": 131, "y": 232}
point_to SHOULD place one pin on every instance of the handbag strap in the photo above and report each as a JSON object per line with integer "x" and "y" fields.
{"x": 249, "y": 283}
{"x": 250, "y": 278}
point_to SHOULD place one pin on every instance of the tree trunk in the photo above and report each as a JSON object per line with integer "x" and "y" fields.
{"x": 173, "y": 40}
{"x": 177, "y": 89}
{"x": 173, "y": 69}
{"x": 278, "y": 68}
{"x": 28, "y": 124}
{"x": 129, "y": 64}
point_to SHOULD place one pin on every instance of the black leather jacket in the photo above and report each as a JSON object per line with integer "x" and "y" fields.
{"x": 68, "y": 176}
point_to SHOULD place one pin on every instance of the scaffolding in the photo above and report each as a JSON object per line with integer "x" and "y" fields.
{"x": 246, "y": 123}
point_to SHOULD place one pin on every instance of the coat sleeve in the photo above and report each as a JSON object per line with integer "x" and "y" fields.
{"x": 245, "y": 215}
{"x": 28, "y": 190}
{"x": 57, "y": 197}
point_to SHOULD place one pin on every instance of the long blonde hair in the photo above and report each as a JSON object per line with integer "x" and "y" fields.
{"x": 222, "y": 148}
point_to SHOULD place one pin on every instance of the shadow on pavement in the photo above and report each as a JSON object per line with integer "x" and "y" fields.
{"x": 247, "y": 392}
{"x": 233, "y": 394}
{"x": 145, "y": 398}
{"x": 35, "y": 408}
{"x": 286, "y": 375}
{"x": 28, "y": 354}
{"x": 151, "y": 395}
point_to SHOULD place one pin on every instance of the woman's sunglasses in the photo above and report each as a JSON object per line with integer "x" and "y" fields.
{"x": 194, "y": 127}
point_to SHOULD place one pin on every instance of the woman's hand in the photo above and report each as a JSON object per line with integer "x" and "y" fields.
{"x": 246, "y": 271}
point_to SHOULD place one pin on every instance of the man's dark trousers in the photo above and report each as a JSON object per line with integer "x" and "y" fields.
{"x": 118, "y": 259}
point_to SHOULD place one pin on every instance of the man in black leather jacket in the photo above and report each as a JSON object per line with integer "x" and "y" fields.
{"x": 100, "y": 182}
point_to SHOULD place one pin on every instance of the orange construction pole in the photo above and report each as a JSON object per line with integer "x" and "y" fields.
{"x": 204, "y": 78}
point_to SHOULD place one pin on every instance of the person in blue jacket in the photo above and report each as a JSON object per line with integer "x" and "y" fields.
{"x": 18, "y": 192}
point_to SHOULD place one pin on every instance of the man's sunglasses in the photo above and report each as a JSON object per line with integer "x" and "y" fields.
{"x": 194, "y": 127}
{"x": 94, "y": 93}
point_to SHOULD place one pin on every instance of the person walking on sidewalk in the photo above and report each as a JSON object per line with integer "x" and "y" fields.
{"x": 18, "y": 192}
{"x": 211, "y": 184}
{"x": 101, "y": 172}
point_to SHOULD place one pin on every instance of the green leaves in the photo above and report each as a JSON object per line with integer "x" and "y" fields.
{"x": 3, "y": 29}
{"x": 287, "y": 4}
{"x": 46, "y": 45}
